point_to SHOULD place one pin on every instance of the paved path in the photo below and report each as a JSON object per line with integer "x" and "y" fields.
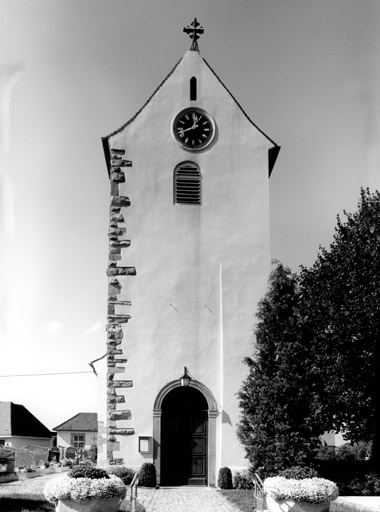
{"x": 175, "y": 499}
{"x": 184, "y": 499}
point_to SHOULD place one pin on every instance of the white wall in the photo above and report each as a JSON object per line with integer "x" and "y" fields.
{"x": 64, "y": 438}
{"x": 201, "y": 270}
{"x": 333, "y": 438}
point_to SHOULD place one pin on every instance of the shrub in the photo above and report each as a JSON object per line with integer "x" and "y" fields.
{"x": 299, "y": 472}
{"x": 327, "y": 453}
{"x": 147, "y": 475}
{"x": 347, "y": 452}
{"x": 357, "y": 484}
{"x": 242, "y": 480}
{"x": 123, "y": 472}
{"x": 312, "y": 490}
{"x": 353, "y": 477}
{"x": 87, "y": 472}
{"x": 372, "y": 485}
{"x": 225, "y": 478}
{"x": 359, "y": 451}
{"x": 84, "y": 489}
{"x": 88, "y": 463}
{"x": 22, "y": 469}
{"x": 67, "y": 462}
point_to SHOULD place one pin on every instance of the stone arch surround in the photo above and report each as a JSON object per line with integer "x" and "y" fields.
{"x": 212, "y": 415}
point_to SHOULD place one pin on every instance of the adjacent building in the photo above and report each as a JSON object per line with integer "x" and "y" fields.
{"x": 19, "y": 427}
{"x": 79, "y": 432}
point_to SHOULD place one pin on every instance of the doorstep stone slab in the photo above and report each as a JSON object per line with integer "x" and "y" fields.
{"x": 356, "y": 504}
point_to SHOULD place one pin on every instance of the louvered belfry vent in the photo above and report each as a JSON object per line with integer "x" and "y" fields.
{"x": 187, "y": 184}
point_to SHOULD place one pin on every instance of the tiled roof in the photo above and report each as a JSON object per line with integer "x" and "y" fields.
{"x": 16, "y": 420}
{"x": 83, "y": 422}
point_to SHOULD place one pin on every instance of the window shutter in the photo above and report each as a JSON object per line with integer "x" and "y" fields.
{"x": 187, "y": 184}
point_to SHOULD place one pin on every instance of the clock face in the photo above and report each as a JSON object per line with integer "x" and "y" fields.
{"x": 193, "y": 128}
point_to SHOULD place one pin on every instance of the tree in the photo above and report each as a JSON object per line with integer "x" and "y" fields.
{"x": 341, "y": 300}
{"x": 280, "y": 422}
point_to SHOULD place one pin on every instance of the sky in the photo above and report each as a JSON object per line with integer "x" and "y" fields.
{"x": 72, "y": 71}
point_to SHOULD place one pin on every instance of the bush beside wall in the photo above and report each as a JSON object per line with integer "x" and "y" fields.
{"x": 148, "y": 475}
{"x": 225, "y": 478}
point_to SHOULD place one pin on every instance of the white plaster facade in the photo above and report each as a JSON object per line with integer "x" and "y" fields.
{"x": 64, "y": 438}
{"x": 332, "y": 438}
{"x": 200, "y": 269}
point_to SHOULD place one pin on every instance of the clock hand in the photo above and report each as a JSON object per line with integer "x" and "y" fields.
{"x": 183, "y": 130}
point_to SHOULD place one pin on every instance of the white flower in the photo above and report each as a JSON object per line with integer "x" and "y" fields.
{"x": 83, "y": 489}
{"x": 312, "y": 490}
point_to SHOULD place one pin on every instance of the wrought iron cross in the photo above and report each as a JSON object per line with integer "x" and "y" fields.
{"x": 194, "y": 30}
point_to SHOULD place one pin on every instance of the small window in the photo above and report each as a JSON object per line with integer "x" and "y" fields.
{"x": 193, "y": 88}
{"x": 187, "y": 184}
{"x": 77, "y": 440}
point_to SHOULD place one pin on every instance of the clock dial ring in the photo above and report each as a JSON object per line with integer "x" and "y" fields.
{"x": 193, "y": 128}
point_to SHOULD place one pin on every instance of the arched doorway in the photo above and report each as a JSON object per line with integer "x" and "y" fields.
{"x": 184, "y": 432}
{"x": 201, "y": 412}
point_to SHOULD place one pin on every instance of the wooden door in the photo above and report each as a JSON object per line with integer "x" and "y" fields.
{"x": 184, "y": 425}
{"x": 198, "y": 448}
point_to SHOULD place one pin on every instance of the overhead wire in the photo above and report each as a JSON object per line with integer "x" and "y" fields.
{"x": 43, "y": 374}
{"x": 58, "y": 373}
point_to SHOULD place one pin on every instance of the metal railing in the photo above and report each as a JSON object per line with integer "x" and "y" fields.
{"x": 259, "y": 502}
{"x": 133, "y": 498}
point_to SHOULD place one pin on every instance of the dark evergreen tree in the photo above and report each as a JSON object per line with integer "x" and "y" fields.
{"x": 281, "y": 422}
{"x": 341, "y": 298}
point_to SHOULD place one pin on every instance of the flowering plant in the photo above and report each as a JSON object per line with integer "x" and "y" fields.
{"x": 312, "y": 490}
{"x": 84, "y": 489}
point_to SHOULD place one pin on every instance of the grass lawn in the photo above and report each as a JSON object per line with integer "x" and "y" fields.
{"x": 243, "y": 499}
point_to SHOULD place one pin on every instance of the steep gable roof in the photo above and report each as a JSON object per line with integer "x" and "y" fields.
{"x": 16, "y": 420}
{"x": 106, "y": 148}
{"x": 5, "y": 419}
{"x": 83, "y": 421}
{"x": 273, "y": 152}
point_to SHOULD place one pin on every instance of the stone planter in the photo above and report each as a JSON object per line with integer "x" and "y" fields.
{"x": 295, "y": 506}
{"x": 93, "y": 505}
{"x": 85, "y": 494}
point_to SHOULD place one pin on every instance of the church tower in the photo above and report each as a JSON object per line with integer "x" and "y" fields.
{"x": 188, "y": 263}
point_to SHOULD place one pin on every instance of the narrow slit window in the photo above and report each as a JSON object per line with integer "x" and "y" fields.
{"x": 187, "y": 184}
{"x": 193, "y": 88}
